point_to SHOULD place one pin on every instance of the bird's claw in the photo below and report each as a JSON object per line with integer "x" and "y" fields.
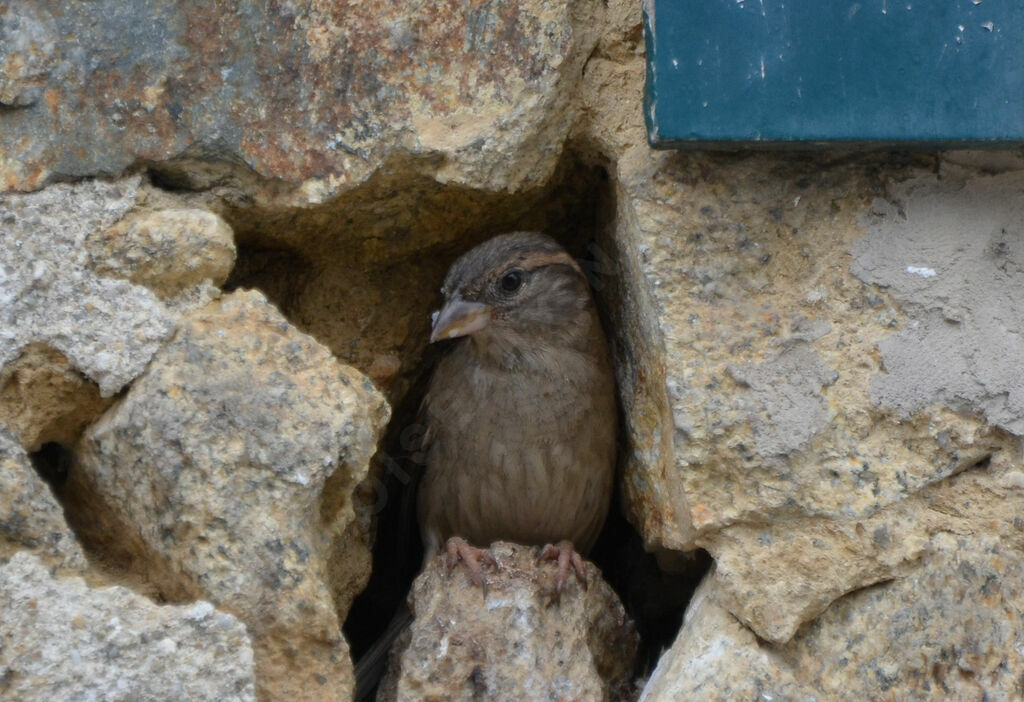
{"x": 458, "y": 549}
{"x": 567, "y": 556}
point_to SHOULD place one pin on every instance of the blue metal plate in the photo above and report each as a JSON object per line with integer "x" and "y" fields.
{"x": 792, "y": 73}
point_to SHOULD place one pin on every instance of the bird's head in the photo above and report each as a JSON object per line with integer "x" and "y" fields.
{"x": 512, "y": 291}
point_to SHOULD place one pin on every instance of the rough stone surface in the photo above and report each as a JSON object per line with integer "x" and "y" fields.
{"x": 28, "y": 39}
{"x": 724, "y": 295}
{"x": 513, "y": 642}
{"x": 750, "y": 368}
{"x": 949, "y": 628}
{"x": 951, "y": 253}
{"x": 62, "y": 640}
{"x": 30, "y": 518}
{"x": 167, "y": 251}
{"x": 319, "y": 94}
{"x": 227, "y": 472}
{"x": 776, "y": 575}
{"x": 44, "y": 399}
{"x": 108, "y": 329}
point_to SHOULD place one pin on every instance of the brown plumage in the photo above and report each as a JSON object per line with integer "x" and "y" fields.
{"x": 520, "y": 416}
{"x": 520, "y": 412}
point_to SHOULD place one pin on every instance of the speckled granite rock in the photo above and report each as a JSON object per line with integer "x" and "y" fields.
{"x": 61, "y": 640}
{"x": 108, "y": 329}
{"x": 28, "y": 41}
{"x": 319, "y": 94}
{"x": 30, "y": 518}
{"x": 949, "y": 629}
{"x": 168, "y": 251}
{"x": 228, "y": 470}
{"x": 514, "y": 643}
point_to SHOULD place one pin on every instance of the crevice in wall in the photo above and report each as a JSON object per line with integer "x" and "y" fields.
{"x": 45, "y": 400}
{"x": 571, "y": 208}
{"x": 361, "y": 274}
{"x": 48, "y": 405}
{"x": 654, "y": 588}
{"x": 53, "y": 463}
{"x": 113, "y": 551}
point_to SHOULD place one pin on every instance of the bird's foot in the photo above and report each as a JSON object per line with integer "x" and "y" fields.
{"x": 566, "y": 555}
{"x": 458, "y": 549}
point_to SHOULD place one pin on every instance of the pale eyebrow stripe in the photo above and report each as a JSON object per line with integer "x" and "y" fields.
{"x": 537, "y": 260}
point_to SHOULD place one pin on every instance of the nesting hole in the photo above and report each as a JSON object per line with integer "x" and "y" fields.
{"x": 362, "y": 274}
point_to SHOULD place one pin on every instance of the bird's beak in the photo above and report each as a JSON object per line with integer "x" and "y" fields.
{"x": 459, "y": 318}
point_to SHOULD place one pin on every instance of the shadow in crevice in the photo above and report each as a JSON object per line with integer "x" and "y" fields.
{"x": 113, "y": 546}
{"x": 280, "y": 272}
{"x": 655, "y": 597}
{"x": 52, "y": 463}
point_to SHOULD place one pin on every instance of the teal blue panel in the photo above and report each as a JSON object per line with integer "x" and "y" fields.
{"x": 768, "y": 73}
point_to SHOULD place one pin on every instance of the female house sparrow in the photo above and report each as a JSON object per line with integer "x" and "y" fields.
{"x": 520, "y": 414}
{"x": 520, "y": 417}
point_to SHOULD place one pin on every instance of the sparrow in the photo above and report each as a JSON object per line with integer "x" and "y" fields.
{"x": 517, "y": 427}
{"x": 520, "y": 414}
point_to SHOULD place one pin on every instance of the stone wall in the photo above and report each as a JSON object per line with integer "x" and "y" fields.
{"x": 223, "y": 229}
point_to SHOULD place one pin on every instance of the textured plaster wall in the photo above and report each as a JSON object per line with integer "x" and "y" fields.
{"x": 950, "y": 252}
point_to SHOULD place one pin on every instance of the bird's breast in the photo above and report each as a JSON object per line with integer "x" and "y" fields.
{"x": 522, "y": 456}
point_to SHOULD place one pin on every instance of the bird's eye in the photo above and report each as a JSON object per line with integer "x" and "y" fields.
{"x": 511, "y": 281}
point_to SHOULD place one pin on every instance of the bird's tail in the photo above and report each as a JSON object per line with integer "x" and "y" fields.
{"x": 370, "y": 667}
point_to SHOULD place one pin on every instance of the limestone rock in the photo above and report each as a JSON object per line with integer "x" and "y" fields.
{"x": 777, "y": 575}
{"x": 513, "y": 643}
{"x": 947, "y": 629}
{"x": 166, "y": 250}
{"x": 716, "y": 658}
{"x": 61, "y": 640}
{"x": 317, "y": 94}
{"x": 108, "y": 329}
{"x": 227, "y": 471}
{"x": 763, "y": 416}
{"x": 30, "y": 518}
{"x": 735, "y": 289}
